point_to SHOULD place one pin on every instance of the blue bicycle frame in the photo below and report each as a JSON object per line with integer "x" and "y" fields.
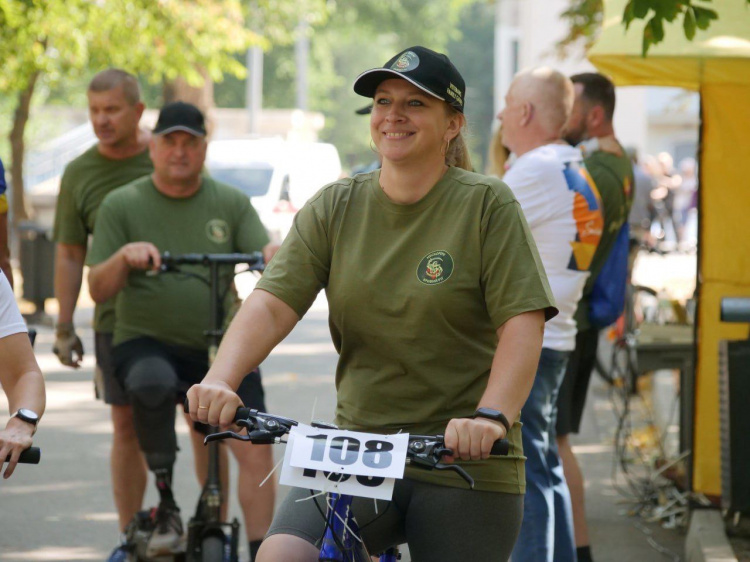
{"x": 338, "y": 533}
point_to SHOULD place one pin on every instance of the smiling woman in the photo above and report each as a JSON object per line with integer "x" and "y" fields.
{"x": 437, "y": 303}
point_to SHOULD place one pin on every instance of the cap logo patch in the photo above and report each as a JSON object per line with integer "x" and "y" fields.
{"x": 406, "y": 62}
{"x": 217, "y": 231}
{"x": 435, "y": 268}
{"x": 455, "y": 93}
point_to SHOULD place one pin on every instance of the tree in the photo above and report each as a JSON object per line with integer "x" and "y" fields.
{"x": 195, "y": 40}
{"x": 357, "y": 35}
{"x": 474, "y": 55}
{"x": 585, "y": 17}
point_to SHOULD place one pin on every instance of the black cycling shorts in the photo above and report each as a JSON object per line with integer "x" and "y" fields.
{"x": 440, "y": 523}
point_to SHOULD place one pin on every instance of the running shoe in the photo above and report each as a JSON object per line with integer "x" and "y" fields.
{"x": 119, "y": 554}
{"x": 167, "y": 537}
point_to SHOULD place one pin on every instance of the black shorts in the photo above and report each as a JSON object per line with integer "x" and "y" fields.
{"x": 440, "y": 523}
{"x": 106, "y": 385}
{"x": 572, "y": 397}
{"x": 190, "y": 365}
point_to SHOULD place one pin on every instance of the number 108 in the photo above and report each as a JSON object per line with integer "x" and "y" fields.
{"x": 346, "y": 451}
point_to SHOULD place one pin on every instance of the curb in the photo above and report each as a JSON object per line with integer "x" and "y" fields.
{"x": 706, "y": 539}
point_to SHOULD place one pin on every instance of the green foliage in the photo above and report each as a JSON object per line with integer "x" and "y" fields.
{"x": 355, "y": 35}
{"x": 159, "y": 40}
{"x": 473, "y": 55}
{"x": 585, "y": 16}
{"x": 660, "y": 11}
{"x": 358, "y": 35}
{"x": 584, "y": 19}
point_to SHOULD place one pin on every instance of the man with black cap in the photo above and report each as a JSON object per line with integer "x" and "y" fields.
{"x": 159, "y": 343}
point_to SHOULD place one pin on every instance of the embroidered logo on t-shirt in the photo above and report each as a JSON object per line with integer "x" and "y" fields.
{"x": 435, "y": 268}
{"x": 217, "y": 231}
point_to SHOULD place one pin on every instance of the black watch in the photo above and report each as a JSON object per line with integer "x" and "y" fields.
{"x": 495, "y": 415}
{"x": 28, "y": 416}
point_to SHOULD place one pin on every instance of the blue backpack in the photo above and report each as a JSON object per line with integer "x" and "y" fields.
{"x": 607, "y": 299}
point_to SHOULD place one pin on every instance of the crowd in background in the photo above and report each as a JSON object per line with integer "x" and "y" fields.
{"x": 666, "y": 197}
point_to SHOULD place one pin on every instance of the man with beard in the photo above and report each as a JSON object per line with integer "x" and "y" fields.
{"x": 590, "y": 128}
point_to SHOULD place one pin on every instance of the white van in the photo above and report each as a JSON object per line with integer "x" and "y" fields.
{"x": 278, "y": 176}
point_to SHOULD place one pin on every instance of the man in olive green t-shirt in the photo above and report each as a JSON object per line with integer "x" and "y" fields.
{"x": 159, "y": 342}
{"x": 120, "y": 156}
{"x": 590, "y": 127}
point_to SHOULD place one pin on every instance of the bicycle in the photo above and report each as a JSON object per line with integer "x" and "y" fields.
{"x": 642, "y": 304}
{"x": 209, "y": 539}
{"x": 340, "y": 542}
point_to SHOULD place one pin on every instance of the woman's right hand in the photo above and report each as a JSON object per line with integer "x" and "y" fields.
{"x": 213, "y": 403}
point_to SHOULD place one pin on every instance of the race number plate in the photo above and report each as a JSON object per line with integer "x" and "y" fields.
{"x": 348, "y": 462}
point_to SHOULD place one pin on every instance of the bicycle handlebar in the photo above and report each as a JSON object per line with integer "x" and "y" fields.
{"x": 253, "y": 259}
{"x": 170, "y": 263}
{"x": 32, "y": 455}
{"x": 424, "y": 451}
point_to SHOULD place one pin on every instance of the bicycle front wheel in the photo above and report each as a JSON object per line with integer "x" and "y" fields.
{"x": 212, "y": 549}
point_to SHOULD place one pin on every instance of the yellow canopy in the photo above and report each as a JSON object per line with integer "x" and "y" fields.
{"x": 719, "y": 55}
{"x": 717, "y": 64}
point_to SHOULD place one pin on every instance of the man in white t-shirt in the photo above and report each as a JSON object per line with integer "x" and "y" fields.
{"x": 564, "y": 213}
{"x": 20, "y": 379}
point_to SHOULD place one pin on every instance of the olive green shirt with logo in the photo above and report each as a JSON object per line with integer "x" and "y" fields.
{"x": 613, "y": 177}
{"x": 416, "y": 293}
{"x": 84, "y": 184}
{"x": 170, "y": 307}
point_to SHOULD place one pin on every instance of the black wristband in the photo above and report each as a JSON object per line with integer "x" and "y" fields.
{"x": 495, "y": 415}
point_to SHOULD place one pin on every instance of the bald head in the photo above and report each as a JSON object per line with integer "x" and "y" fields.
{"x": 537, "y": 107}
{"x": 550, "y": 92}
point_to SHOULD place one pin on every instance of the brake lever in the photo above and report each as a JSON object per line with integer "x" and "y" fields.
{"x": 225, "y": 435}
{"x": 458, "y": 470}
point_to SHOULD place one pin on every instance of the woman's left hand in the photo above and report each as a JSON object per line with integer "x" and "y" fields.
{"x": 472, "y": 438}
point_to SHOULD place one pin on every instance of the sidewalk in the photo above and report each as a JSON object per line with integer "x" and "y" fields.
{"x": 615, "y": 535}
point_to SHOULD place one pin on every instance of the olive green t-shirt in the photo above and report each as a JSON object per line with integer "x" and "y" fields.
{"x": 613, "y": 177}
{"x": 416, "y": 293}
{"x": 173, "y": 308}
{"x": 84, "y": 184}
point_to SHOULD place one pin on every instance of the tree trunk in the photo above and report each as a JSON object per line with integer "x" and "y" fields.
{"x": 201, "y": 97}
{"x": 17, "y": 148}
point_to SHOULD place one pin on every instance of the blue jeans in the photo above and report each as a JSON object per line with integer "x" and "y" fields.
{"x": 547, "y": 528}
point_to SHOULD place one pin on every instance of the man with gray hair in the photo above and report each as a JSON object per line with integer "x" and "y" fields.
{"x": 120, "y": 156}
{"x": 564, "y": 213}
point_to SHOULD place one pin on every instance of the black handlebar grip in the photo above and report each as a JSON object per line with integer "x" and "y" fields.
{"x": 501, "y": 447}
{"x": 242, "y": 413}
{"x": 28, "y": 456}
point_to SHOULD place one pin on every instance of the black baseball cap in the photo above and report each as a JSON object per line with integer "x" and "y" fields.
{"x": 180, "y": 116}
{"x": 429, "y": 71}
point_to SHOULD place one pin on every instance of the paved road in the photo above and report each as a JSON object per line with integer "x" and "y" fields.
{"x": 62, "y": 509}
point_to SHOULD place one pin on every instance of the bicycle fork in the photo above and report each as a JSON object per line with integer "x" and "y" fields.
{"x": 342, "y": 541}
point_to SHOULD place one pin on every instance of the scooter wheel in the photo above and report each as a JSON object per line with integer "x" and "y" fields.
{"x": 212, "y": 549}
